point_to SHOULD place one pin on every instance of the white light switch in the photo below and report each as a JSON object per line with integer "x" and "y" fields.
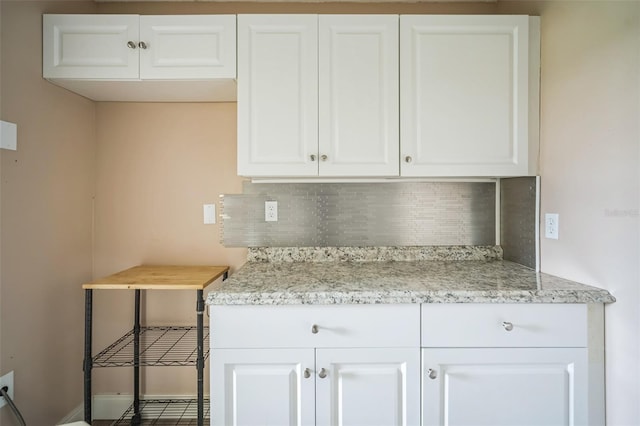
{"x": 209, "y": 214}
{"x": 8, "y": 135}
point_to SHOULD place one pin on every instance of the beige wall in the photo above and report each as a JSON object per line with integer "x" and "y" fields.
{"x": 156, "y": 164}
{"x": 590, "y": 169}
{"x": 47, "y": 188}
{"x": 590, "y": 146}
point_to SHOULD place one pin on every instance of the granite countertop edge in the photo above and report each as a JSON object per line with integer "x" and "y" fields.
{"x": 328, "y": 283}
{"x": 362, "y": 298}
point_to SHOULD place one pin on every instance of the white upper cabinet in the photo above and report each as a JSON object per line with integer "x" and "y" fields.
{"x": 187, "y": 47}
{"x": 277, "y": 95}
{"x": 359, "y": 95}
{"x": 318, "y": 96}
{"x": 465, "y": 95}
{"x": 90, "y": 46}
{"x": 142, "y": 58}
{"x": 388, "y": 95}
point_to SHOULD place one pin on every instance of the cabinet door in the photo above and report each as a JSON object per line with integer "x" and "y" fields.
{"x": 262, "y": 387}
{"x": 188, "y": 47}
{"x": 277, "y": 95}
{"x": 90, "y": 46}
{"x": 504, "y": 387}
{"x": 368, "y": 386}
{"x": 464, "y": 95}
{"x": 359, "y": 95}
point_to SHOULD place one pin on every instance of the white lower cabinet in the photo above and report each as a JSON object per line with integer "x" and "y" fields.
{"x": 433, "y": 365}
{"x": 315, "y": 365}
{"x": 262, "y": 387}
{"x": 378, "y": 386}
{"x": 512, "y": 364}
{"x": 504, "y": 386}
{"x": 368, "y": 386}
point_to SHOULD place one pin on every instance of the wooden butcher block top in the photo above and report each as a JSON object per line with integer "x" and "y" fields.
{"x": 160, "y": 277}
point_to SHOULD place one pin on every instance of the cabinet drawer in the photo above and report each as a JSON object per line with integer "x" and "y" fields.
{"x": 254, "y": 326}
{"x": 508, "y": 325}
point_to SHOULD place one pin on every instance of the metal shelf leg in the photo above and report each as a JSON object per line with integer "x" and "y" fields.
{"x": 136, "y": 419}
{"x": 200, "y": 357}
{"x": 88, "y": 361}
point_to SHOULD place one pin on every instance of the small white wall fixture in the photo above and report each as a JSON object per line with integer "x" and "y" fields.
{"x": 8, "y": 135}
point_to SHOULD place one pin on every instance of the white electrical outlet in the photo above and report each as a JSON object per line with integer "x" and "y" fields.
{"x": 271, "y": 211}
{"x": 551, "y": 225}
{"x": 6, "y": 380}
{"x": 209, "y": 211}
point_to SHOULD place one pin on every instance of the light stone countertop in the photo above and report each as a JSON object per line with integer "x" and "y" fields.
{"x": 397, "y": 282}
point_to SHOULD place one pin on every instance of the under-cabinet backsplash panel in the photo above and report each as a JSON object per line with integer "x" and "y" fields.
{"x": 518, "y": 200}
{"x": 361, "y": 214}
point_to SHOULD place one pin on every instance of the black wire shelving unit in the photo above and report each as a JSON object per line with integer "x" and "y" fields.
{"x": 159, "y": 346}
{"x": 165, "y": 412}
{"x": 146, "y": 346}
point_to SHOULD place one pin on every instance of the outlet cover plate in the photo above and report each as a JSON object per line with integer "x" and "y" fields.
{"x": 6, "y": 380}
{"x": 271, "y": 211}
{"x": 551, "y": 225}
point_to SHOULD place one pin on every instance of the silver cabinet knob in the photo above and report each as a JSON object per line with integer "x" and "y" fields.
{"x": 323, "y": 373}
{"x": 142, "y": 45}
{"x": 323, "y": 157}
{"x": 507, "y": 326}
{"x": 432, "y": 374}
{"x": 408, "y": 159}
{"x": 314, "y": 329}
{"x": 131, "y": 45}
{"x": 307, "y": 373}
{"x": 312, "y": 157}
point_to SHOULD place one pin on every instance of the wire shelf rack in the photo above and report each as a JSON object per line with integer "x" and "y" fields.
{"x": 165, "y": 412}
{"x": 159, "y": 346}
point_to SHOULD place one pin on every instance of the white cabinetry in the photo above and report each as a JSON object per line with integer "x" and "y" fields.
{"x": 368, "y": 386}
{"x": 469, "y": 95}
{"x": 318, "y": 96}
{"x": 507, "y": 365}
{"x": 359, "y": 95}
{"x": 321, "y": 96}
{"x": 504, "y": 386}
{"x": 90, "y": 46}
{"x": 448, "y": 364}
{"x": 262, "y": 387}
{"x": 153, "y": 56}
{"x": 350, "y": 365}
{"x": 277, "y": 95}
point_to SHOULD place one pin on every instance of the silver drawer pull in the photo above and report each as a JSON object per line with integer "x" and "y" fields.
{"x": 507, "y": 326}
{"x": 314, "y": 329}
{"x": 312, "y": 157}
{"x": 307, "y": 373}
{"x": 131, "y": 44}
{"x": 432, "y": 374}
{"x": 323, "y": 373}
